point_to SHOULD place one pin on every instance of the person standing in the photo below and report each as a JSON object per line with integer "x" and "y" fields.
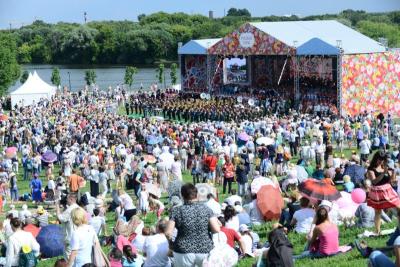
{"x": 65, "y": 218}
{"x": 83, "y": 239}
{"x": 229, "y": 173}
{"x": 13, "y": 187}
{"x": 19, "y": 240}
{"x": 381, "y": 194}
{"x": 36, "y": 188}
{"x": 365, "y": 148}
{"x": 193, "y": 221}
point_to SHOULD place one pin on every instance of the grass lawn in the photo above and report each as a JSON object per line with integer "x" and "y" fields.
{"x": 350, "y": 259}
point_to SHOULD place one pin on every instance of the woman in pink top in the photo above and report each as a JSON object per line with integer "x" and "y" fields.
{"x": 325, "y": 238}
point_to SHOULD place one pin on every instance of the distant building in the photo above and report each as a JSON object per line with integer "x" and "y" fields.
{"x": 211, "y": 14}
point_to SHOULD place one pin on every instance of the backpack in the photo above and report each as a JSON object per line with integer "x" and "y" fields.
{"x": 29, "y": 165}
{"x": 27, "y": 259}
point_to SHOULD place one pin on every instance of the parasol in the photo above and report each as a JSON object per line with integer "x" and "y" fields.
{"x": 318, "y": 190}
{"x": 270, "y": 202}
{"x": 153, "y": 189}
{"x": 51, "y": 241}
{"x": 244, "y": 136}
{"x": 49, "y": 156}
{"x": 150, "y": 159}
{"x": 11, "y": 152}
{"x": 265, "y": 141}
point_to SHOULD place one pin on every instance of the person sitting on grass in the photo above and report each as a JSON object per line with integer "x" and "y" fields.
{"x": 303, "y": 218}
{"x": 325, "y": 237}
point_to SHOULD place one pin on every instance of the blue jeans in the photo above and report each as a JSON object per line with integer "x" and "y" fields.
{"x": 14, "y": 194}
{"x": 312, "y": 255}
{"x": 393, "y": 237}
{"x": 379, "y": 259}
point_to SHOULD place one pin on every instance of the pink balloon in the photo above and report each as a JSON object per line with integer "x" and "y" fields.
{"x": 358, "y": 195}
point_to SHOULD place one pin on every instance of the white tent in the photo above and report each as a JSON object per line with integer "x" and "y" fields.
{"x": 32, "y": 91}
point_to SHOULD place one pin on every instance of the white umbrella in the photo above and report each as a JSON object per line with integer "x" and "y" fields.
{"x": 265, "y": 141}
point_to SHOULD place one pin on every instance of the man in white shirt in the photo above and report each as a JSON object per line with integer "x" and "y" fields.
{"x": 365, "y": 148}
{"x": 213, "y": 205}
{"x": 66, "y": 220}
{"x": 156, "y": 248}
{"x": 98, "y": 222}
{"x": 303, "y": 218}
{"x": 17, "y": 240}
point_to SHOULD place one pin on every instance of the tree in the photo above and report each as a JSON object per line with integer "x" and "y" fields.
{"x": 24, "y": 76}
{"x": 9, "y": 68}
{"x": 90, "y": 77}
{"x": 233, "y": 12}
{"x": 129, "y": 74}
{"x": 160, "y": 74}
{"x": 173, "y": 74}
{"x": 55, "y": 77}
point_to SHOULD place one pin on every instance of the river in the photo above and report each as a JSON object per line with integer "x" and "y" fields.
{"x": 108, "y": 75}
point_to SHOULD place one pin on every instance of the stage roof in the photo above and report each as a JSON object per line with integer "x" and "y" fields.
{"x": 311, "y": 33}
{"x": 319, "y": 37}
{"x": 197, "y": 47}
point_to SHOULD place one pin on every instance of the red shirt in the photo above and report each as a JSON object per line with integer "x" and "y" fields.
{"x": 231, "y": 235}
{"x": 211, "y": 161}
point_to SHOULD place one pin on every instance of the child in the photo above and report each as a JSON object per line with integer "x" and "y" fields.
{"x": 348, "y": 184}
{"x": 115, "y": 258}
{"x": 156, "y": 205}
{"x": 130, "y": 259}
{"x": 144, "y": 200}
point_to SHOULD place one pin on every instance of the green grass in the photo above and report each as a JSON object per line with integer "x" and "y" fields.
{"x": 347, "y": 236}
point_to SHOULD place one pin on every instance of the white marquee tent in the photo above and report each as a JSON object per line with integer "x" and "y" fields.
{"x": 32, "y": 91}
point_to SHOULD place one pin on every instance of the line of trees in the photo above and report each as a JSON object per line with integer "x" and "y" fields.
{"x": 155, "y": 37}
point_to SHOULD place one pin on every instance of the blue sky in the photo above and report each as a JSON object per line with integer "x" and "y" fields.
{"x": 18, "y": 12}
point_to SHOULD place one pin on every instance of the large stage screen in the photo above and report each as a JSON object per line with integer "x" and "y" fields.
{"x": 235, "y": 70}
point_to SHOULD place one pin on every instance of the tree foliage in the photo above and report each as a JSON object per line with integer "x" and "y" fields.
{"x": 233, "y": 12}
{"x": 24, "y": 76}
{"x": 173, "y": 73}
{"x": 9, "y": 68}
{"x": 90, "y": 77}
{"x": 129, "y": 75}
{"x": 55, "y": 76}
{"x": 155, "y": 36}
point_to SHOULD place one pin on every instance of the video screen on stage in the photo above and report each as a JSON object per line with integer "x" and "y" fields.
{"x": 235, "y": 70}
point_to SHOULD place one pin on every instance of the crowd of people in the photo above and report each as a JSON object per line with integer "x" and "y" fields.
{"x": 83, "y": 161}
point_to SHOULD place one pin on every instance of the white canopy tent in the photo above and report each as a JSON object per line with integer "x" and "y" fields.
{"x": 32, "y": 91}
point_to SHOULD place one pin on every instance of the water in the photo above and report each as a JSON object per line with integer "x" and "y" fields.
{"x": 110, "y": 75}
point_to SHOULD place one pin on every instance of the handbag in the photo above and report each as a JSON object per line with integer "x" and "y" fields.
{"x": 99, "y": 258}
{"x": 222, "y": 255}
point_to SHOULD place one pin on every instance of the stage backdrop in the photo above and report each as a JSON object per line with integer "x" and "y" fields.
{"x": 249, "y": 40}
{"x": 195, "y": 74}
{"x": 371, "y": 82}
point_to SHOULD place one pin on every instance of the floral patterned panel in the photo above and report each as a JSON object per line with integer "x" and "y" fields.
{"x": 195, "y": 77}
{"x": 264, "y": 44}
{"x": 371, "y": 82}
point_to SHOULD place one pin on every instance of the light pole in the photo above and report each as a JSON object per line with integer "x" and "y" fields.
{"x": 69, "y": 79}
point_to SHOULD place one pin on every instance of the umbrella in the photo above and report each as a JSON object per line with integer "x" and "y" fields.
{"x": 51, "y": 241}
{"x": 244, "y": 136}
{"x": 318, "y": 190}
{"x": 150, "y": 159}
{"x": 3, "y": 117}
{"x": 265, "y": 141}
{"x": 11, "y": 152}
{"x": 49, "y": 156}
{"x": 270, "y": 202}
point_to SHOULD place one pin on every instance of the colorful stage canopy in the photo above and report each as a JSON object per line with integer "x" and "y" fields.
{"x": 320, "y": 37}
